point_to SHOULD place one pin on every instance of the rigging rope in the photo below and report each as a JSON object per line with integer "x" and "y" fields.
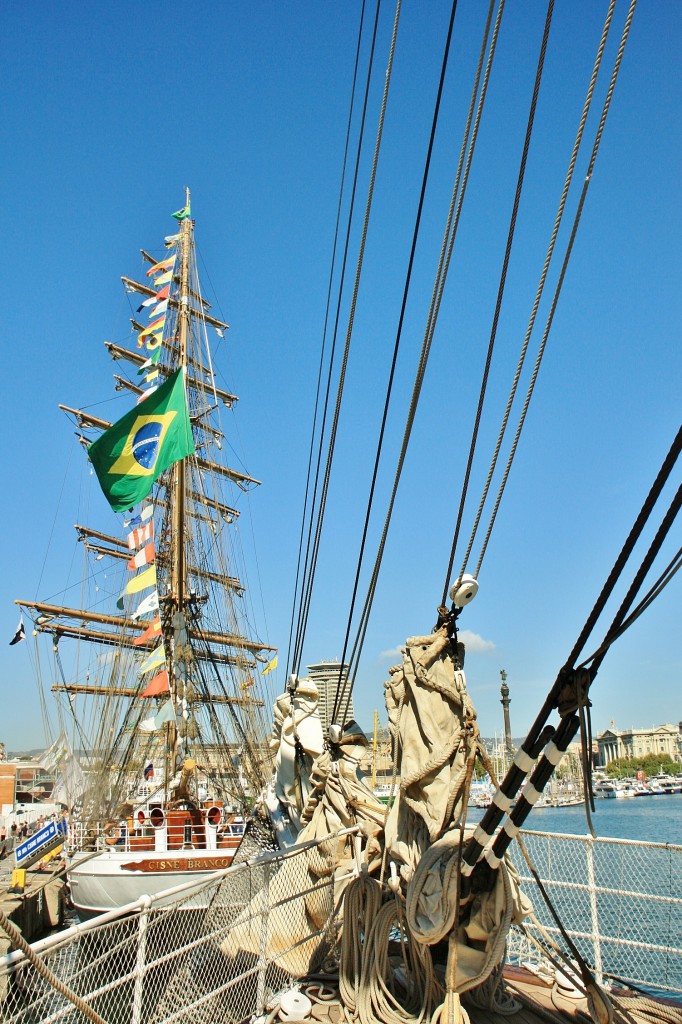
{"x": 299, "y": 569}
{"x": 662, "y": 581}
{"x": 341, "y": 688}
{"x": 639, "y": 524}
{"x": 617, "y": 625}
{"x": 562, "y": 274}
{"x": 349, "y": 331}
{"x": 450, "y": 234}
{"x": 501, "y": 288}
{"x": 312, "y": 547}
{"x": 569, "y": 691}
{"x": 44, "y": 971}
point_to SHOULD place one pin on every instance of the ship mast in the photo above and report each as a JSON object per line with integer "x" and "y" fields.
{"x": 177, "y": 592}
{"x": 178, "y": 560}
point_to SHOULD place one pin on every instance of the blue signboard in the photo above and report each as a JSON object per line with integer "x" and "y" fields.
{"x": 36, "y": 846}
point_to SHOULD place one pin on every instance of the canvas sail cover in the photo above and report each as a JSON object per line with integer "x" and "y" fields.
{"x": 432, "y": 720}
{"x": 297, "y": 740}
{"x": 323, "y": 795}
{"x": 429, "y": 709}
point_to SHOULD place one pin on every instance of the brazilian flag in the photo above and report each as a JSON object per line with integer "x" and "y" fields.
{"x": 134, "y": 452}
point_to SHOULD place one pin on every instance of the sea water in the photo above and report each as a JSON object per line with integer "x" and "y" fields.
{"x": 654, "y": 819}
{"x": 653, "y": 923}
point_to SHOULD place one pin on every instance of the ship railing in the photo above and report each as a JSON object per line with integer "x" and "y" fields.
{"x": 128, "y": 836}
{"x": 619, "y": 900}
{"x": 220, "y": 949}
{"x": 212, "y": 951}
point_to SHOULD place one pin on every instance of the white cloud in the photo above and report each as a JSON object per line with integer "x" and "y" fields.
{"x": 474, "y": 643}
{"x": 395, "y": 654}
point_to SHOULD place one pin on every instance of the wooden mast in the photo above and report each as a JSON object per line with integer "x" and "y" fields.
{"x": 178, "y": 561}
{"x": 178, "y": 576}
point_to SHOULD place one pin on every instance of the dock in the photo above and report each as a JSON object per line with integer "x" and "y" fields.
{"x": 39, "y": 909}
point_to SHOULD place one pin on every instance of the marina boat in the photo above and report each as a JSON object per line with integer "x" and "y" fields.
{"x": 605, "y": 791}
{"x": 166, "y": 685}
{"x": 624, "y": 790}
{"x": 666, "y": 785}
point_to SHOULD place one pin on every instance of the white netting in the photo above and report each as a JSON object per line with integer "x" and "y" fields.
{"x": 619, "y": 900}
{"x": 176, "y": 963}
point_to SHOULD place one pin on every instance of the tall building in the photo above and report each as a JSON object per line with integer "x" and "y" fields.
{"x": 330, "y": 677}
{"x": 665, "y": 740}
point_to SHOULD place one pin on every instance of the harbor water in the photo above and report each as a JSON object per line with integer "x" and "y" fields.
{"x": 654, "y": 819}
{"x": 628, "y": 895}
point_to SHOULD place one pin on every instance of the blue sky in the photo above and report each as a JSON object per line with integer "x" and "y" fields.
{"x": 110, "y": 113}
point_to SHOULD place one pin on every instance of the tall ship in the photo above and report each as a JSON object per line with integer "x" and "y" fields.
{"x": 407, "y": 911}
{"x": 161, "y": 690}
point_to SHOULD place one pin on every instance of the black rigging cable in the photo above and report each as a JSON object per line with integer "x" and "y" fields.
{"x": 570, "y": 689}
{"x": 450, "y": 234}
{"x": 631, "y": 540}
{"x": 663, "y": 580}
{"x": 343, "y": 683}
{"x": 500, "y": 291}
{"x": 344, "y": 361}
{"x": 564, "y": 267}
{"x": 299, "y": 569}
{"x": 312, "y": 546}
{"x": 622, "y": 619}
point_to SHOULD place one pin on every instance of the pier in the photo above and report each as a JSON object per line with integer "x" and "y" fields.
{"x": 36, "y": 911}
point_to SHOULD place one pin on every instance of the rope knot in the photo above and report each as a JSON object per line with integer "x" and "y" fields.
{"x": 573, "y": 692}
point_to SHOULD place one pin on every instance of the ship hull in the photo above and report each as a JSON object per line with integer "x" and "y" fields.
{"x": 113, "y": 879}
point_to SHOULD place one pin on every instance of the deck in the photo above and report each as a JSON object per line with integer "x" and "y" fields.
{"x": 537, "y": 1003}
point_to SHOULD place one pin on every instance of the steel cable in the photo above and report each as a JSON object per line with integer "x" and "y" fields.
{"x": 341, "y": 696}
{"x": 428, "y": 337}
{"x": 564, "y": 267}
{"x": 302, "y": 570}
{"x": 305, "y": 608}
{"x": 500, "y": 292}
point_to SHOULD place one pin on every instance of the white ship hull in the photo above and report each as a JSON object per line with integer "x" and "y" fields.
{"x": 112, "y": 879}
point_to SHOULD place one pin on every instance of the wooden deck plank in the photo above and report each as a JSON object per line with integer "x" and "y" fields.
{"x": 543, "y": 1004}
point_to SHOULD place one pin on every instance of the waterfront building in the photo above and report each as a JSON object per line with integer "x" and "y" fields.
{"x": 25, "y": 781}
{"x": 329, "y": 677}
{"x": 665, "y": 740}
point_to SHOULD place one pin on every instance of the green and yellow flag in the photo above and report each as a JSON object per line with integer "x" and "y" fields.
{"x": 135, "y": 451}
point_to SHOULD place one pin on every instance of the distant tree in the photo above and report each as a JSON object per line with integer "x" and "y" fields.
{"x": 651, "y": 764}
